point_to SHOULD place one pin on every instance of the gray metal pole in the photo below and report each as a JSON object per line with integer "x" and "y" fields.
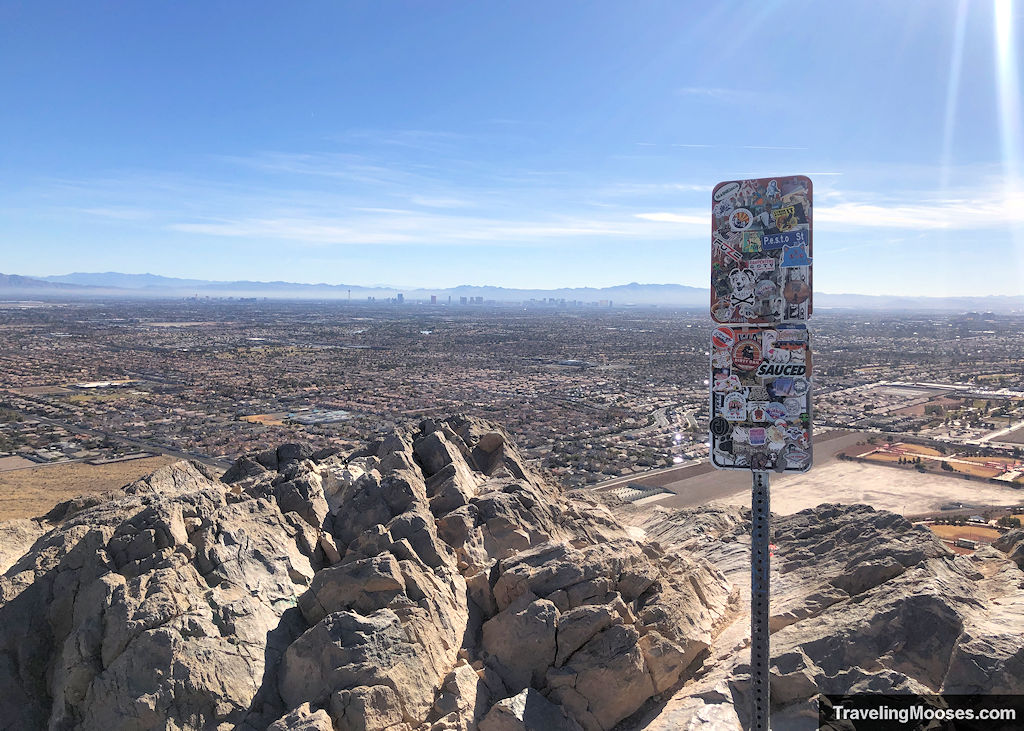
{"x": 760, "y": 655}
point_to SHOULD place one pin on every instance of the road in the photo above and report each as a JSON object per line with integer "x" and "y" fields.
{"x": 149, "y": 447}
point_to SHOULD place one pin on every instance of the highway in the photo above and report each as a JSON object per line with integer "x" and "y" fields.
{"x": 138, "y": 443}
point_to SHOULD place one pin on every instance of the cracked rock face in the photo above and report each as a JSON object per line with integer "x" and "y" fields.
{"x": 432, "y": 581}
{"x": 861, "y": 601}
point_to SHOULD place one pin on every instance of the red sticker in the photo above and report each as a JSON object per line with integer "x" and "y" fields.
{"x": 723, "y": 337}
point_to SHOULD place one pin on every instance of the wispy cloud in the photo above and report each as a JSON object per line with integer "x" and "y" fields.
{"x": 431, "y": 230}
{"x": 345, "y": 199}
{"x": 719, "y": 93}
{"x": 998, "y": 211}
{"x": 702, "y": 219}
{"x": 429, "y": 202}
{"x": 119, "y": 214}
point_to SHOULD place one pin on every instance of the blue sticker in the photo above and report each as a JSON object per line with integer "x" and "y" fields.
{"x": 795, "y": 256}
{"x": 774, "y": 242}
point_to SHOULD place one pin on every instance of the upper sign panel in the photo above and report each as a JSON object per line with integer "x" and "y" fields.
{"x": 761, "y": 250}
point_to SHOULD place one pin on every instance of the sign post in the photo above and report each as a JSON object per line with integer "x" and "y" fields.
{"x": 760, "y": 655}
{"x": 761, "y": 411}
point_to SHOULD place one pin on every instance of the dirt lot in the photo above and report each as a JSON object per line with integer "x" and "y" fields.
{"x": 974, "y": 532}
{"x": 918, "y": 409}
{"x": 978, "y": 470}
{"x": 882, "y": 487}
{"x": 883, "y": 457}
{"x": 918, "y": 449}
{"x": 1014, "y": 437}
{"x": 28, "y": 493}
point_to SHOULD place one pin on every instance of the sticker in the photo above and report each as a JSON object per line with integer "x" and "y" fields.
{"x": 740, "y": 219}
{"x": 795, "y": 256}
{"x": 775, "y": 411}
{"x": 725, "y": 190}
{"x": 726, "y": 383}
{"x": 757, "y": 393}
{"x": 772, "y": 353}
{"x": 747, "y": 355}
{"x": 793, "y": 335}
{"x": 794, "y": 406}
{"x": 760, "y": 462}
{"x": 741, "y": 282}
{"x": 720, "y": 309}
{"x": 721, "y": 210}
{"x": 760, "y": 266}
{"x": 772, "y": 191}
{"x": 751, "y": 242}
{"x": 723, "y": 337}
{"x": 729, "y": 251}
{"x": 796, "y": 292}
{"x": 757, "y": 436}
{"x": 788, "y": 387}
{"x": 765, "y": 289}
{"x": 796, "y": 457}
{"x": 769, "y": 370}
{"x": 774, "y": 242}
{"x": 735, "y": 407}
{"x": 719, "y": 427}
{"x": 757, "y": 412}
{"x": 721, "y": 358}
{"x": 740, "y": 435}
{"x": 789, "y": 217}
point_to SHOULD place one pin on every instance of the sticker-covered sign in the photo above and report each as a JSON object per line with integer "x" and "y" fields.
{"x": 761, "y": 250}
{"x": 761, "y": 398}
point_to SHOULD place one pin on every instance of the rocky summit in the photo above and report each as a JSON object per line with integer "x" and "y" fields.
{"x": 432, "y": 580}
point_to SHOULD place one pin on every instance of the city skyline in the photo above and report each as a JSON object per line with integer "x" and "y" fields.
{"x": 530, "y": 146}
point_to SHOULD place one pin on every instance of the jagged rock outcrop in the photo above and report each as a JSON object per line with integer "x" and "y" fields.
{"x": 432, "y": 582}
{"x": 419, "y": 583}
{"x": 1012, "y": 544}
{"x": 862, "y": 600}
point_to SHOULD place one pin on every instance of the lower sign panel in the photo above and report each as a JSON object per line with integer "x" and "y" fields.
{"x": 761, "y": 398}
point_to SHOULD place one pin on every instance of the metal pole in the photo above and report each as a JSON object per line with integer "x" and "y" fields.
{"x": 760, "y": 655}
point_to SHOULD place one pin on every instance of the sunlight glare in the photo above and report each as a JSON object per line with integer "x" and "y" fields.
{"x": 953, "y": 90}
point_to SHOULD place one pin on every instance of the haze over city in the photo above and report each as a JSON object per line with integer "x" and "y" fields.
{"x": 530, "y": 145}
{"x": 533, "y": 366}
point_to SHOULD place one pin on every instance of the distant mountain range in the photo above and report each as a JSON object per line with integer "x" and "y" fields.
{"x": 116, "y": 284}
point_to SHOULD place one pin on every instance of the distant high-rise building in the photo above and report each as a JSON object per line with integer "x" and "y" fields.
{"x": 462, "y": 300}
{"x": 449, "y": 299}
{"x": 433, "y": 299}
{"x": 401, "y": 298}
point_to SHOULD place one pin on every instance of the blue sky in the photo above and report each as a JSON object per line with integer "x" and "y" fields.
{"x": 534, "y": 144}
